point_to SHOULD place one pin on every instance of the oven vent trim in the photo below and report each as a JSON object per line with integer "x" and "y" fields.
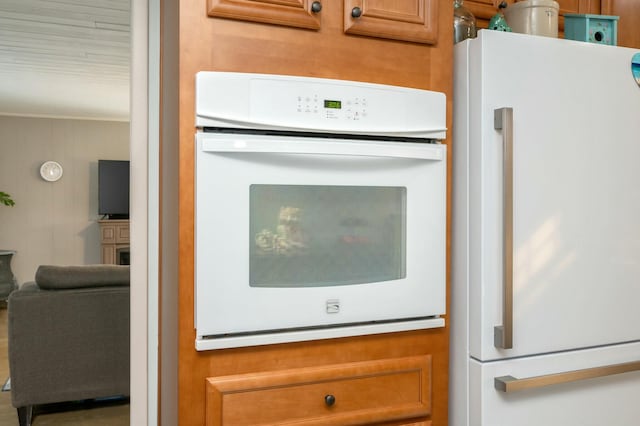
{"x": 316, "y": 333}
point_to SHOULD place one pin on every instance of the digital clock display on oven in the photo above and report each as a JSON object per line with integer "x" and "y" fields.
{"x": 332, "y": 104}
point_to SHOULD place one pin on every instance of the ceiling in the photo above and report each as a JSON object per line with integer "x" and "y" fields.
{"x": 65, "y": 58}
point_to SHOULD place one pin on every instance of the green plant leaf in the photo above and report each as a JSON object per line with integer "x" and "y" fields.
{"x": 6, "y": 199}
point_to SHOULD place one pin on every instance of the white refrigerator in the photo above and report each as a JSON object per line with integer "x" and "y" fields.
{"x": 545, "y": 307}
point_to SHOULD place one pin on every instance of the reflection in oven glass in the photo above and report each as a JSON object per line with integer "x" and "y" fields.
{"x": 318, "y": 235}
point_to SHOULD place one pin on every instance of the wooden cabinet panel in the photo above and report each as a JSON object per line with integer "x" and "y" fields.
{"x": 576, "y": 6}
{"x": 483, "y": 10}
{"x": 108, "y": 234}
{"x": 352, "y": 393}
{"x": 415, "y": 21}
{"x": 629, "y": 22}
{"x": 292, "y": 13}
{"x": 122, "y": 234}
{"x": 109, "y": 254}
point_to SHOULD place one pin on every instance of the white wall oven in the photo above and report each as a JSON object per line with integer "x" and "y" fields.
{"x": 320, "y": 209}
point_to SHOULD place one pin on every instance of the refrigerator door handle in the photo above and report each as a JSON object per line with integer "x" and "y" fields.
{"x": 511, "y": 384}
{"x": 503, "y": 334}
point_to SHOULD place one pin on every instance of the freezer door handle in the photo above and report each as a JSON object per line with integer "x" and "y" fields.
{"x": 503, "y": 334}
{"x": 511, "y": 384}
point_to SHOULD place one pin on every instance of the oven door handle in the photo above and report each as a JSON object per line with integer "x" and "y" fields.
{"x": 422, "y": 151}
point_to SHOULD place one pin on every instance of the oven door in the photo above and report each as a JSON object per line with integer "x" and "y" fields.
{"x": 299, "y": 238}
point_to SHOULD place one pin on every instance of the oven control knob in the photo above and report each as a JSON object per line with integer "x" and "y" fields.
{"x": 316, "y": 7}
{"x": 329, "y": 400}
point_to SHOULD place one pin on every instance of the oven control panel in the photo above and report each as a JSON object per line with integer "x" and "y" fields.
{"x": 260, "y": 101}
{"x": 333, "y": 109}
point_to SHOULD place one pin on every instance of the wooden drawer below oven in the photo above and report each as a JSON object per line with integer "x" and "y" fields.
{"x": 353, "y": 393}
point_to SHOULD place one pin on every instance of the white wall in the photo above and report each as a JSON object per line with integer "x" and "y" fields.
{"x": 54, "y": 222}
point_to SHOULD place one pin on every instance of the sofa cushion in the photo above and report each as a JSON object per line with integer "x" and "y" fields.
{"x": 51, "y": 277}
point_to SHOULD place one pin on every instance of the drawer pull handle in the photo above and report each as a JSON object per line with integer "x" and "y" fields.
{"x": 329, "y": 400}
{"x": 511, "y": 384}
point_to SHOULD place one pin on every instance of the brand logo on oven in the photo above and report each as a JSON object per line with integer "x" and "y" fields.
{"x": 333, "y": 306}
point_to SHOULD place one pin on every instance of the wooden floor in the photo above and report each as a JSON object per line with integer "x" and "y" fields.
{"x": 74, "y": 414}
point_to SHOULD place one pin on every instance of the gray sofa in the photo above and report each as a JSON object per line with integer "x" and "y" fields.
{"x": 69, "y": 336}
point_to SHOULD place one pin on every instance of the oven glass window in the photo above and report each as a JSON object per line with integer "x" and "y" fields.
{"x": 314, "y": 235}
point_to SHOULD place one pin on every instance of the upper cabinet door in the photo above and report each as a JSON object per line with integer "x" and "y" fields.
{"x": 292, "y": 13}
{"x": 407, "y": 20}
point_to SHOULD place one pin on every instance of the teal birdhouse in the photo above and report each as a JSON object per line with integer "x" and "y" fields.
{"x": 599, "y": 29}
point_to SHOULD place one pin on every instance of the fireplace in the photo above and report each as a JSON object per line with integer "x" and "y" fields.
{"x": 122, "y": 256}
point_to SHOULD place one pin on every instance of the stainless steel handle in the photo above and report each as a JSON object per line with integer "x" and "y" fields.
{"x": 511, "y": 384}
{"x": 503, "y": 334}
{"x": 325, "y": 147}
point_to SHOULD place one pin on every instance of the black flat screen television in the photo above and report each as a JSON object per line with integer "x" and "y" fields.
{"x": 113, "y": 189}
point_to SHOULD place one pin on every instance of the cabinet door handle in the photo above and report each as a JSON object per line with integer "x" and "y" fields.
{"x": 329, "y": 400}
{"x": 316, "y": 7}
{"x": 503, "y": 334}
{"x": 356, "y": 12}
{"x": 512, "y": 384}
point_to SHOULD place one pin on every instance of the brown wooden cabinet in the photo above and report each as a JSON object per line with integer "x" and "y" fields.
{"x": 575, "y": 6}
{"x": 627, "y": 10}
{"x": 251, "y": 43}
{"x": 352, "y": 393}
{"x": 629, "y": 22}
{"x": 415, "y": 21}
{"x": 483, "y": 10}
